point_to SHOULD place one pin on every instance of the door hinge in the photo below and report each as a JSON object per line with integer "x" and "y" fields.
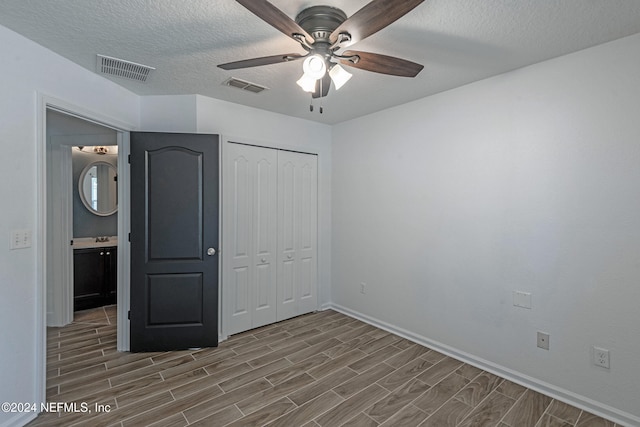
{"x": 129, "y": 314}
{"x": 129, "y": 158}
{"x": 129, "y": 237}
{"x": 71, "y": 242}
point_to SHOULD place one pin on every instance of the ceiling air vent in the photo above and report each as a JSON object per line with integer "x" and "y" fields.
{"x": 245, "y": 85}
{"x": 121, "y": 68}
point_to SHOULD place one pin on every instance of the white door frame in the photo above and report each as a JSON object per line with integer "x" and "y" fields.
{"x": 47, "y": 102}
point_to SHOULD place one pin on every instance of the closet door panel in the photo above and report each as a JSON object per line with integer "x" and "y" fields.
{"x": 308, "y": 234}
{"x": 264, "y": 236}
{"x": 297, "y": 234}
{"x": 237, "y": 226}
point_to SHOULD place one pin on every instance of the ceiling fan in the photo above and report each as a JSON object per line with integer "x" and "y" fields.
{"x": 324, "y": 30}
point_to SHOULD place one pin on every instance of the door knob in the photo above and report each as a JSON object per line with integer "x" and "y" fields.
{"x": 263, "y": 260}
{"x": 289, "y": 256}
{"x": 211, "y": 252}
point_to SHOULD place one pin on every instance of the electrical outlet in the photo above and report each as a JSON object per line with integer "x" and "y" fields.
{"x": 543, "y": 340}
{"x": 363, "y": 288}
{"x": 601, "y": 357}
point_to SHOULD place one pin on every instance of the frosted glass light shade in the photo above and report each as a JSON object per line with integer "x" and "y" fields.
{"x": 307, "y": 83}
{"x": 314, "y": 66}
{"x": 339, "y": 76}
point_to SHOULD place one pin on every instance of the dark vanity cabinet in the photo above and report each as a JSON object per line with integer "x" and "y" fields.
{"x": 94, "y": 277}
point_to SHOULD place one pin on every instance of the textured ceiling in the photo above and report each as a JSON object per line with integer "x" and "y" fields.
{"x": 458, "y": 42}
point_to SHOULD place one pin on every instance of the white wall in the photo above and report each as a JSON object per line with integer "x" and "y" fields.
{"x": 195, "y": 113}
{"x": 527, "y": 181}
{"x": 27, "y": 71}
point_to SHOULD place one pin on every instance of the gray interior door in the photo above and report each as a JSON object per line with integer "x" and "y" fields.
{"x": 174, "y": 239}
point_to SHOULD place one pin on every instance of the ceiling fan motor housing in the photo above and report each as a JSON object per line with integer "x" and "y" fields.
{"x": 320, "y": 21}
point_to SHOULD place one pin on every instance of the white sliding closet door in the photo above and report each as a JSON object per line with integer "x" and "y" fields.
{"x": 269, "y": 236}
{"x": 297, "y": 233}
{"x": 250, "y": 239}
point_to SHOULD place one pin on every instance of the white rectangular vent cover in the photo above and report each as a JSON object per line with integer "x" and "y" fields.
{"x": 245, "y": 85}
{"x": 121, "y": 68}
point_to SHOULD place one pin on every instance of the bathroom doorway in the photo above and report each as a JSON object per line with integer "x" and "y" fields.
{"x": 84, "y": 218}
{"x": 81, "y": 216}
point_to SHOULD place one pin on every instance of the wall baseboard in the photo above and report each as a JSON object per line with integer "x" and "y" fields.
{"x": 550, "y": 390}
{"x": 20, "y": 420}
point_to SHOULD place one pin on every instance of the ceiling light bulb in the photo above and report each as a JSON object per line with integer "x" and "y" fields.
{"x": 314, "y": 66}
{"x": 307, "y": 83}
{"x": 339, "y": 76}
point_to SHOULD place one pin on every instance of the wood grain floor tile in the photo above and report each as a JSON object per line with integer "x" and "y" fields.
{"x": 265, "y": 397}
{"x": 548, "y": 420}
{"x": 478, "y": 389}
{"x": 360, "y": 420}
{"x": 219, "y": 418}
{"x": 247, "y": 377}
{"x": 374, "y": 358}
{"x": 379, "y": 343}
{"x": 348, "y": 346}
{"x": 409, "y": 416}
{"x": 321, "y": 369}
{"x": 139, "y": 369}
{"x": 308, "y": 411}
{"x": 294, "y": 370}
{"x": 135, "y": 394}
{"x": 202, "y": 410}
{"x": 267, "y": 414}
{"x": 385, "y": 408}
{"x": 336, "y": 364}
{"x": 433, "y": 356}
{"x": 151, "y": 403}
{"x": 527, "y": 410}
{"x": 440, "y": 370}
{"x": 589, "y": 420}
{"x": 313, "y": 350}
{"x": 405, "y": 373}
{"x": 437, "y": 395}
{"x": 489, "y": 412}
{"x": 176, "y": 420}
{"x": 318, "y": 388}
{"x": 361, "y": 381}
{"x": 511, "y": 390}
{"x": 407, "y": 355}
{"x": 450, "y": 415}
{"x": 346, "y": 410}
{"x": 278, "y": 354}
{"x": 468, "y": 371}
{"x": 563, "y": 411}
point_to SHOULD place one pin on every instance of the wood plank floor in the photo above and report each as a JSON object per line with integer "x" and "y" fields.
{"x": 322, "y": 369}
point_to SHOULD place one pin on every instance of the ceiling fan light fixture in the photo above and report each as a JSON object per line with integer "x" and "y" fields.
{"x": 339, "y": 76}
{"x": 314, "y": 66}
{"x": 307, "y": 83}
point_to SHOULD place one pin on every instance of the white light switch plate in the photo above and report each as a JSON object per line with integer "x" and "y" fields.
{"x": 20, "y": 239}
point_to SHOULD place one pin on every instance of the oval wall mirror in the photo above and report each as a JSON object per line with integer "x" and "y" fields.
{"x": 98, "y": 188}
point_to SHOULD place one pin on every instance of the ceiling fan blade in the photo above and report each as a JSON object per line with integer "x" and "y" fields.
{"x": 265, "y": 60}
{"x": 372, "y": 18}
{"x": 275, "y": 17}
{"x": 326, "y": 84}
{"x": 382, "y": 64}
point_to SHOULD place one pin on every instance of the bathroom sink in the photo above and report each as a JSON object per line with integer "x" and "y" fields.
{"x": 94, "y": 242}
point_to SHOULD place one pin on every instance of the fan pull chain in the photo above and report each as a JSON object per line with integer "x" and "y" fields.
{"x": 311, "y": 104}
{"x": 321, "y": 81}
